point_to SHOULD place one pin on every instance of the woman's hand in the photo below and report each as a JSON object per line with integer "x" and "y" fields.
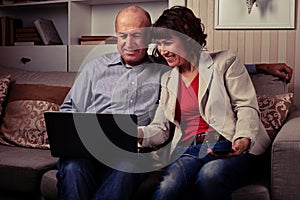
{"x": 140, "y": 135}
{"x": 239, "y": 146}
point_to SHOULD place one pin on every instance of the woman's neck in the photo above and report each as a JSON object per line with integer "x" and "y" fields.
{"x": 188, "y": 73}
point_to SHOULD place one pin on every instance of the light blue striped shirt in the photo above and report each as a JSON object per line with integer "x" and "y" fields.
{"x": 107, "y": 85}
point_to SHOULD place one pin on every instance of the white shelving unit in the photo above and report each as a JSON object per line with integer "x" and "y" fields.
{"x": 72, "y": 19}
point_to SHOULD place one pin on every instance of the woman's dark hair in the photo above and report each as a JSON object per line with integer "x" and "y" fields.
{"x": 183, "y": 20}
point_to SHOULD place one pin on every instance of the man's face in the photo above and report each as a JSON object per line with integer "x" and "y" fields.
{"x": 131, "y": 43}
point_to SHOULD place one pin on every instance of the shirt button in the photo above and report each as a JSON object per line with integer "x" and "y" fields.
{"x": 132, "y": 82}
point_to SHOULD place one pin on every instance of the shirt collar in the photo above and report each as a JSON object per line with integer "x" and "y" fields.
{"x": 118, "y": 60}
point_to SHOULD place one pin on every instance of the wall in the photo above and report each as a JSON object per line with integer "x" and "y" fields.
{"x": 254, "y": 46}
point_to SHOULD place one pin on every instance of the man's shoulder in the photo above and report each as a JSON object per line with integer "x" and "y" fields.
{"x": 100, "y": 62}
{"x": 155, "y": 68}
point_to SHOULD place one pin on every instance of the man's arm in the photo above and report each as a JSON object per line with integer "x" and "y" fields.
{"x": 277, "y": 69}
{"x": 78, "y": 98}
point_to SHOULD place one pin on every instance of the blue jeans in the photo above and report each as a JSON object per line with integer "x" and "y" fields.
{"x": 213, "y": 178}
{"x": 88, "y": 179}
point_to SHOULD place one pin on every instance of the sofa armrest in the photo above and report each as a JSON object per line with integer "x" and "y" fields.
{"x": 285, "y": 160}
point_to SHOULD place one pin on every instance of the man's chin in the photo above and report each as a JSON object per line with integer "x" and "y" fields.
{"x": 133, "y": 61}
{"x": 131, "y": 53}
{"x": 130, "y": 56}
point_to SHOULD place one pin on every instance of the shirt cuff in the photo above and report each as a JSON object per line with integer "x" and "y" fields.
{"x": 251, "y": 68}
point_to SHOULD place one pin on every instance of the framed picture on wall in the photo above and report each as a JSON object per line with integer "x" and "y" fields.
{"x": 254, "y": 14}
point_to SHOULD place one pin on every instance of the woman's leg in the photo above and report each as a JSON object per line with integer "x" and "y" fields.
{"x": 218, "y": 178}
{"x": 179, "y": 176}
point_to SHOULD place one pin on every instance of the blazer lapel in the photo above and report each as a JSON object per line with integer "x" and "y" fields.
{"x": 172, "y": 82}
{"x": 172, "y": 85}
{"x": 205, "y": 72}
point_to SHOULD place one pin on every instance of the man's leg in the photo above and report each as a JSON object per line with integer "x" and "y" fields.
{"x": 149, "y": 183}
{"x": 117, "y": 185}
{"x": 77, "y": 178}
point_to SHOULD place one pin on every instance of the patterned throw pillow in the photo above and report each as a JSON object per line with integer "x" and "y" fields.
{"x": 274, "y": 110}
{"x": 23, "y": 123}
{"x": 4, "y": 83}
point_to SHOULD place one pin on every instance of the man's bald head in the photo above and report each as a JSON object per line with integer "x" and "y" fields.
{"x": 133, "y": 38}
{"x": 136, "y": 13}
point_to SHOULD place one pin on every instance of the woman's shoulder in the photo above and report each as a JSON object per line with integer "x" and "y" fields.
{"x": 225, "y": 54}
{"x": 224, "y": 59}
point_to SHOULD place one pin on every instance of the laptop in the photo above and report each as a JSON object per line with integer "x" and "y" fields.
{"x": 83, "y": 135}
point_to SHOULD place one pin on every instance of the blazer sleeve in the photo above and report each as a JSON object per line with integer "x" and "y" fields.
{"x": 158, "y": 131}
{"x": 243, "y": 100}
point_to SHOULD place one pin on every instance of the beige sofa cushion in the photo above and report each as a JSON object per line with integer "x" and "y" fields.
{"x": 38, "y": 92}
{"x": 274, "y": 111}
{"x": 4, "y": 83}
{"x": 24, "y": 123}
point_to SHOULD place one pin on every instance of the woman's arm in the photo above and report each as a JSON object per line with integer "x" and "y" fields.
{"x": 244, "y": 104}
{"x": 158, "y": 131}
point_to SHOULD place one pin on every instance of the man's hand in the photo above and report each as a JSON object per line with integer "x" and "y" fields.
{"x": 277, "y": 69}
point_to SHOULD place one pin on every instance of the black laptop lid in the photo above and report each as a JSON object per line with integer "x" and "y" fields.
{"x": 66, "y": 130}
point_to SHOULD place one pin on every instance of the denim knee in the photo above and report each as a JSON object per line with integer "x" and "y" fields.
{"x": 77, "y": 179}
{"x": 210, "y": 174}
{"x": 212, "y": 183}
{"x": 73, "y": 167}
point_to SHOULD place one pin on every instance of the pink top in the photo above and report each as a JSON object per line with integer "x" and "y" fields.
{"x": 187, "y": 110}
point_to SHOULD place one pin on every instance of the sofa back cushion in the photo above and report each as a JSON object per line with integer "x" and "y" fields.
{"x": 37, "y": 77}
{"x": 274, "y": 101}
{"x": 4, "y": 83}
{"x": 32, "y": 94}
{"x": 274, "y": 108}
{"x": 23, "y": 123}
{"x": 268, "y": 84}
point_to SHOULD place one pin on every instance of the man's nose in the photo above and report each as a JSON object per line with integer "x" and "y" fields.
{"x": 129, "y": 40}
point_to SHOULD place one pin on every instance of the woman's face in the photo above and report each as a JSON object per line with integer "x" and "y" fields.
{"x": 173, "y": 51}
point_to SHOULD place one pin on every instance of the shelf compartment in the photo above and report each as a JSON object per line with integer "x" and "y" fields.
{"x": 35, "y": 58}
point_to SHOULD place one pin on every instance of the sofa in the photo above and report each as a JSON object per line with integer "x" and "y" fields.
{"x": 23, "y": 165}
{"x": 28, "y": 171}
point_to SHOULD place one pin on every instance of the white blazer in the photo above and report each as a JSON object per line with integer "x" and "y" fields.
{"x": 227, "y": 102}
